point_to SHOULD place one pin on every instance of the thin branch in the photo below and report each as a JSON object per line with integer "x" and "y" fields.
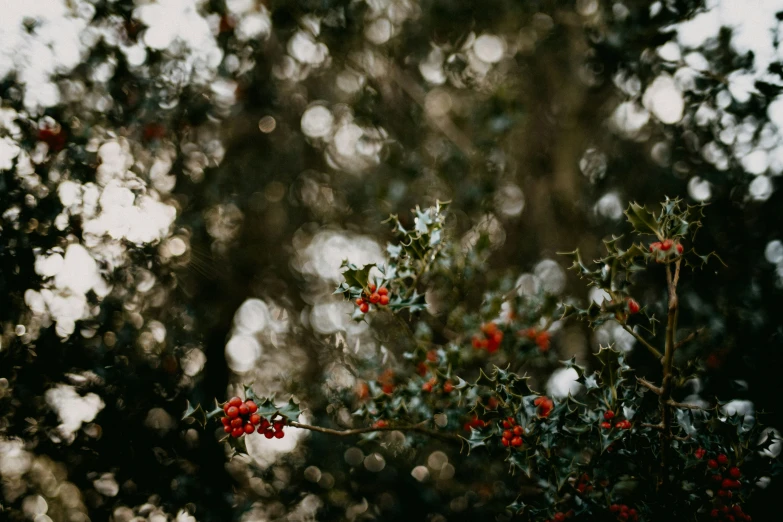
{"x": 688, "y": 338}
{"x": 681, "y": 439}
{"x": 418, "y": 428}
{"x": 684, "y": 405}
{"x": 642, "y": 340}
{"x": 649, "y": 385}
{"x": 653, "y": 426}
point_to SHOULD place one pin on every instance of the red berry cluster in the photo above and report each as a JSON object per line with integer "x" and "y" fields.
{"x": 241, "y": 417}
{"x": 474, "y": 422}
{"x": 491, "y": 339}
{"x": 732, "y": 514}
{"x": 540, "y": 338}
{"x": 545, "y": 406}
{"x": 560, "y": 516}
{"x": 512, "y": 434}
{"x": 727, "y": 482}
{"x": 699, "y": 453}
{"x": 624, "y": 513}
{"x": 386, "y": 380}
{"x": 663, "y": 250}
{"x": 380, "y": 424}
{"x": 372, "y": 296}
{"x": 583, "y": 485}
{"x": 624, "y": 424}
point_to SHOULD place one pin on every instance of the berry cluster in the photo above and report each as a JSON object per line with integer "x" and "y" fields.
{"x": 386, "y": 380}
{"x": 428, "y": 386}
{"x": 732, "y": 514}
{"x": 540, "y": 338}
{"x": 241, "y": 417}
{"x": 474, "y": 422}
{"x": 272, "y": 429}
{"x": 545, "y": 406}
{"x": 728, "y": 482}
{"x": 372, "y": 296}
{"x": 583, "y": 486}
{"x": 666, "y": 249}
{"x": 624, "y": 513}
{"x": 512, "y": 434}
{"x": 620, "y": 424}
{"x": 491, "y": 340}
{"x": 560, "y": 516}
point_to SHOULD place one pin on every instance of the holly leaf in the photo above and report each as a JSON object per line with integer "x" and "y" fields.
{"x": 642, "y": 220}
{"x": 356, "y": 275}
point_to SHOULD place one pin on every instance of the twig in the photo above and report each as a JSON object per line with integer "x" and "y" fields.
{"x": 653, "y": 426}
{"x": 681, "y": 439}
{"x": 649, "y": 385}
{"x": 642, "y": 340}
{"x": 684, "y": 405}
{"x": 690, "y": 337}
{"x": 666, "y": 383}
{"x": 418, "y": 428}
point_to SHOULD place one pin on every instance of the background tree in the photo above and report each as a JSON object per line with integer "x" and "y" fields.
{"x": 181, "y": 181}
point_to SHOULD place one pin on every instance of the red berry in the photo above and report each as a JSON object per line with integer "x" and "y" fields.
{"x": 606, "y": 425}
{"x": 249, "y": 429}
{"x": 717, "y": 478}
{"x": 264, "y": 424}
{"x": 251, "y": 406}
{"x": 507, "y": 434}
{"x": 559, "y": 517}
{"x": 633, "y": 306}
{"x": 614, "y": 508}
{"x": 679, "y": 248}
{"x": 225, "y": 420}
{"x": 714, "y": 513}
{"x": 278, "y": 425}
{"x": 237, "y": 432}
{"x": 364, "y": 307}
{"x": 236, "y": 423}
{"x": 505, "y": 442}
{"x": 448, "y": 387}
{"x": 432, "y": 356}
{"x": 255, "y": 418}
{"x": 226, "y": 407}
{"x": 227, "y": 429}
{"x": 735, "y": 472}
{"x": 384, "y": 300}
{"x": 233, "y": 411}
{"x": 279, "y": 434}
{"x": 608, "y": 415}
{"x": 516, "y": 442}
{"x": 666, "y": 244}
{"x": 712, "y": 463}
{"x": 235, "y": 401}
{"x": 380, "y": 424}
{"x": 244, "y": 410}
{"x": 427, "y": 387}
{"x": 542, "y": 340}
{"x": 371, "y": 287}
{"x": 383, "y": 291}
{"x": 699, "y": 453}
{"x": 655, "y": 246}
{"x": 723, "y": 459}
{"x": 727, "y": 484}
{"x": 518, "y": 430}
{"x": 374, "y": 298}
{"x": 269, "y": 433}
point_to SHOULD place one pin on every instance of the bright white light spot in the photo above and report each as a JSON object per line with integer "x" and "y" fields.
{"x": 489, "y": 48}
{"x": 756, "y": 162}
{"x": 72, "y": 409}
{"x": 242, "y": 352}
{"x": 562, "y": 382}
{"x": 760, "y": 188}
{"x": 699, "y": 189}
{"x": 774, "y": 252}
{"x": 551, "y": 275}
{"x": 664, "y": 99}
{"x": 379, "y": 31}
{"x": 317, "y": 122}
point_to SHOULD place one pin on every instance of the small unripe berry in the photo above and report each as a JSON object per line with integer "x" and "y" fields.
{"x": 364, "y": 307}
{"x": 235, "y": 401}
{"x": 723, "y": 459}
{"x": 232, "y": 412}
{"x": 249, "y": 428}
{"x": 374, "y": 298}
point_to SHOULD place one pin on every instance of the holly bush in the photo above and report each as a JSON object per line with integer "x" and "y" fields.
{"x": 621, "y": 445}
